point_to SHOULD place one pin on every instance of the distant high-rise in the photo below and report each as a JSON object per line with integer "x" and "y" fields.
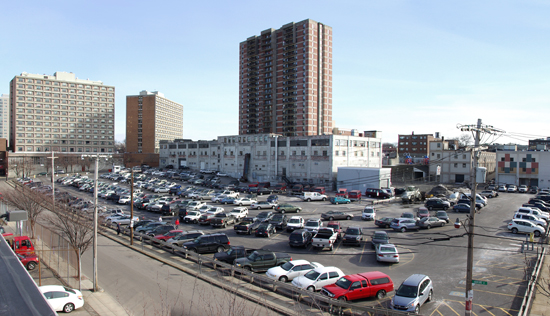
{"x": 285, "y": 81}
{"x": 61, "y": 113}
{"x": 151, "y": 117}
{"x": 4, "y": 116}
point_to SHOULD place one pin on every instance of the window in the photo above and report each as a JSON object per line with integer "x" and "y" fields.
{"x": 456, "y": 165}
{"x": 463, "y": 165}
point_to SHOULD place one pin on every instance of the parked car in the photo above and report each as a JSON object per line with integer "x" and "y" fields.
{"x": 384, "y": 222}
{"x": 61, "y": 298}
{"x": 295, "y": 222}
{"x": 332, "y": 215}
{"x": 442, "y": 215}
{"x": 488, "y": 194}
{"x": 531, "y": 218}
{"x": 233, "y": 253}
{"x": 313, "y": 225}
{"x": 29, "y": 260}
{"x": 262, "y": 260}
{"x": 523, "y": 188}
{"x": 208, "y": 243}
{"x": 429, "y": 222}
{"x": 461, "y": 208}
{"x": 339, "y": 200}
{"x": 422, "y": 212}
{"x": 300, "y": 238}
{"x": 387, "y": 253}
{"x": 377, "y": 193}
{"x": 287, "y": 208}
{"x": 404, "y": 224}
{"x": 437, "y": 204}
{"x": 512, "y": 188}
{"x": 369, "y": 213}
{"x": 359, "y": 286}
{"x": 265, "y": 216}
{"x": 379, "y": 237}
{"x": 273, "y": 199}
{"x": 523, "y": 226}
{"x": 291, "y": 270}
{"x": 315, "y": 279}
{"x": 413, "y": 293}
{"x": 262, "y": 204}
{"x": 265, "y": 230}
{"x": 279, "y": 221}
{"x": 353, "y": 236}
{"x": 247, "y": 225}
{"x": 355, "y": 195}
{"x": 502, "y": 188}
{"x": 184, "y": 237}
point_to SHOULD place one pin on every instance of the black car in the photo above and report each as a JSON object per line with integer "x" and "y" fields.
{"x": 383, "y": 222}
{"x": 265, "y": 230}
{"x": 442, "y": 215}
{"x": 461, "y": 208}
{"x": 263, "y": 190}
{"x": 437, "y": 204}
{"x": 273, "y": 198}
{"x": 300, "y": 238}
{"x": 279, "y": 221}
{"x": 234, "y": 253}
{"x": 264, "y": 216}
{"x": 468, "y": 202}
{"x": 208, "y": 243}
{"x": 170, "y": 209}
{"x": 353, "y": 236}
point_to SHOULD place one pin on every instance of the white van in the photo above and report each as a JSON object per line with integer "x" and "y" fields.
{"x": 313, "y": 196}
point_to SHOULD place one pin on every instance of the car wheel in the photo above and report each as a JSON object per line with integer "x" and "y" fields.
{"x": 537, "y": 233}
{"x": 274, "y": 230}
{"x": 430, "y": 208}
{"x": 247, "y": 268}
{"x": 220, "y": 249}
{"x": 31, "y": 265}
{"x": 240, "y": 204}
{"x": 331, "y": 218}
{"x": 283, "y": 279}
{"x": 403, "y": 229}
{"x": 429, "y": 226}
{"x": 258, "y": 208}
{"x": 381, "y": 294}
{"x": 515, "y": 230}
{"x": 417, "y": 309}
{"x": 348, "y": 218}
{"x": 69, "y": 307}
{"x": 429, "y": 299}
{"x": 342, "y": 298}
{"x": 445, "y": 208}
{"x": 336, "y": 203}
{"x": 282, "y": 211}
{"x": 311, "y": 288}
{"x": 324, "y": 199}
{"x": 309, "y": 200}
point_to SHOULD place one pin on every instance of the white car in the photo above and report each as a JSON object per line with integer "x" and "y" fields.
{"x": 221, "y": 174}
{"x": 512, "y": 188}
{"x": 124, "y": 220}
{"x": 315, "y": 279}
{"x": 124, "y": 200}
{"x": 192, "y": 217}
{"x": 531, "y": 218}
{"x": 113, "y": 217}
{"x": 263, "y": 204}
{"x": 244, "y": 201}
{"x": 523, "y": 226}
{"x": 294, "y": 223}
{"x": 523, "y": 188}
{"x": 369, "y": 213}
{"x": 291, "y": 269}
{"x": 313, "y": 225}
{"x": 218, "y": 198}
{"x": 62, "y": 299}
{"x": 239, "y": 213}
{"x": 215, "y": 210}
{"x": 387, "y": 253}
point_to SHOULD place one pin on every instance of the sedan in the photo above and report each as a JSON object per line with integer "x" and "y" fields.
{"x": 387, "y": 253}
{"x": 461, "y": 208}
{"x": 429, "y": 222}
{"x": 339, "y": 200}
{"x": 244, "y": 201}
{"x": 384, "y": 222}
{"x": 291, "y": 269}
{"x": 265, "y": 230}
{"x": 512, "y": 188}
{"x": 62, "y": 299}
{"x": 332, "y": 215}
{"x": 442, "y": 215}
{"x": 263, "y": 204}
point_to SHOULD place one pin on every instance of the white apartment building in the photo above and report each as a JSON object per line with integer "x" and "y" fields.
{"x": 455, "y": 165}
{"x": 5, "y": 116}
{"x": 269, "y": 157}
{"x": 61, "y": 113}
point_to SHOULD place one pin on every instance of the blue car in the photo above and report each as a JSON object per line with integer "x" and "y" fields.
{"x": 273, "y": 198}
{"x": 461, "y": 208}
{"x": 339, "y": 200}
{"x": 227, "y": 200}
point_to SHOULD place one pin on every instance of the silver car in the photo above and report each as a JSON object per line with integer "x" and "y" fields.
{"x": 413, "y": 293}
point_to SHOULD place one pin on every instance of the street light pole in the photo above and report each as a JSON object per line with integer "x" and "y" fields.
{"x": 132, "y": 207}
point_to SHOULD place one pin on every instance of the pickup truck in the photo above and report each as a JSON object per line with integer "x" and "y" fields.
{"x": 233, "y": 253}
{"x": 325, "y": 238}
{"x": 239, "y": 213}
{"x": 222, "y": 220}
{"x": 262, "y": 260}
{"x": 230, "y": 193}
{"x": 411, "y": 195}
{"x": 19, "y": 244}
{"x": 247, "y": 225}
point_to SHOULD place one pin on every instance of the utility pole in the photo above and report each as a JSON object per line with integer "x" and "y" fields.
{"x": 132, "y": 207}
{"x": 96, "y": 156}
{"x": 475, "y": 152}
{"x": 53, "y": 181}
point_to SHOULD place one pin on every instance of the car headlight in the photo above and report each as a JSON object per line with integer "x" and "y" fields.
{"x": 238, "y": 264}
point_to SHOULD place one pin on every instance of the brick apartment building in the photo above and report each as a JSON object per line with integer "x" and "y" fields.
{"x": 285, "y": 81}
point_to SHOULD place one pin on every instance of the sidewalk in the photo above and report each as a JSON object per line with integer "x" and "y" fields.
{"x": 95, "y": 303}
{"x": 541, "y": 302}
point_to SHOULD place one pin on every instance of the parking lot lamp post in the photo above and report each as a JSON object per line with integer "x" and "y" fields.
{"x": 132, "y": 206}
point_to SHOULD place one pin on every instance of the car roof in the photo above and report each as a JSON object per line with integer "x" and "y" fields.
{"x": 326, "y": 269}
{"x": 379, "y": 232}
{"x": 414, "y": 279}
{"x": 47, "y": 288}
{"x": 366, "y": 275}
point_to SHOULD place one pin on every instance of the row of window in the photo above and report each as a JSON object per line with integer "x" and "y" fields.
{"x": 64, "y": 149}
{"x": 416, "y": 143}
{"x": 64, "y": 84}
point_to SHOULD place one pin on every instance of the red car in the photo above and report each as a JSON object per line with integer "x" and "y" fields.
{"x": 168, "y": 235}
{"x": 358, "y": 286}
{"x": 30, "y": 261}
{"x": 355, "y": 195}
{"x": 343, "y": 193}
{"x": 335, "y": 225}
{"x": 422, "y": 212}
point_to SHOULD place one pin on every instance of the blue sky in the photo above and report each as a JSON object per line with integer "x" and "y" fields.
{"x": 399, "y": 66}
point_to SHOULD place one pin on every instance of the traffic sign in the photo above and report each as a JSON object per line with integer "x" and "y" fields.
{"x": 479, "y": 282}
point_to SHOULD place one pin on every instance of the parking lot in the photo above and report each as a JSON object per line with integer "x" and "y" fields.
{"x": 438, "y": 252}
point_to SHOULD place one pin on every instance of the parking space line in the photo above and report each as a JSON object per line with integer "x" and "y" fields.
{"x": 502, "y": 309}
{"x": 481, "y": 276}
{"x": 487, "y": 310}
{"x": 436, "y": 309}
{"x": 451, "y": 307}
{"x": 362, "y": 252}
{"x": 513, "y": 310}
{"x": 478, "y": 290}
{"x": 337, "y": 247}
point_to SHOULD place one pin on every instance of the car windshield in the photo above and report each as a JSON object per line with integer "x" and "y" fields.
{"x": 406, "y": 291}
{"x": 441, "y": 213}
{"x": 352, "y": 231}
{"x": 294, "y": 221}
{"x": 343, "y": 283}
{"x": 253, "y": 256}
{"x": 407, "y": 215}
{"x": 334, "y": 226}
{"x": 287, "y": 266}
{"x": 380, "y": 236}
{"x": 368, "y": 211}
{"x": 312, "y": 224}
{"x": 296, "y": 237}
{"x": 278, "y": 217}
{"x": 312, "y": 275}
{"x": 263, "y": 226}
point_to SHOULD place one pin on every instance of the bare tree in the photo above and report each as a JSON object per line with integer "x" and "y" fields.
{"x": 120, "y": 147}
{"x": 87, "y": 163}
{"x": 26, "y": 199}
{"x": 28, "y": 166}
{"x": 78, "y": 230}
{"x": 63, "y": 161}
{"x": 16, "y": 165}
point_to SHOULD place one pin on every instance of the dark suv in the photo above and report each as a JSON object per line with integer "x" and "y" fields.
{"x": 170, "y": 209}
{"x": 300, "y": 238}
{"x": 437, "y": 204}
{"x": 208, "y": 243}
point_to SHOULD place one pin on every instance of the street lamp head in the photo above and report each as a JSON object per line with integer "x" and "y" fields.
{"x": 457, "y": 223}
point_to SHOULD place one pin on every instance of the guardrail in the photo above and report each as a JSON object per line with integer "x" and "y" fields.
{"x": 532, "y": 284}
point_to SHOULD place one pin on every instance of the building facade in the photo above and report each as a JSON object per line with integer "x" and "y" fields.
{"x": 150, "y": 117}
{"x": 448, "y": 165}
{"x": 5, "y": 116}
{"x": 531, "y": 168}
{"x": 61, "y": 113}
{"x": 269, "y": 157}
{"x": 539, "y": 144}
{"x": 285, "y": 81}
{"x": 414, "y": 146}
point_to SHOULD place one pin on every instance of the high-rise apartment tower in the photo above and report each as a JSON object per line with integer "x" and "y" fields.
{"x": 61, "y": 113}
{"x": 4, "y": 116}
{"x": 151, "y": 117}
{"x": 285, "y": 81}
